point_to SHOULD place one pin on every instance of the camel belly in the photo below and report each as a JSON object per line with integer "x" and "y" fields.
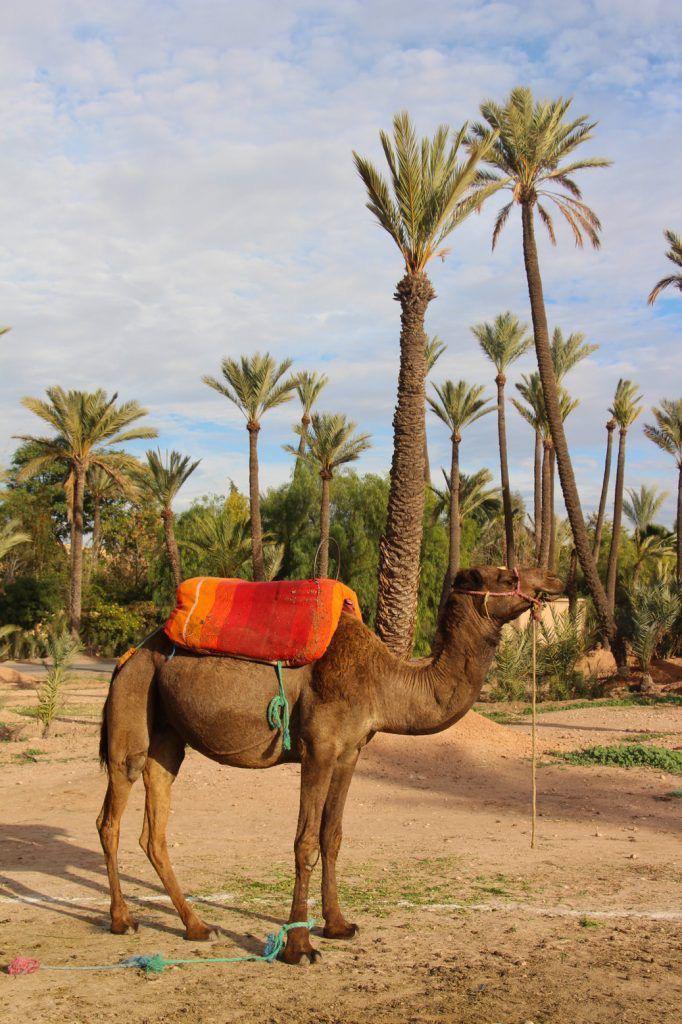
{"x": 218, "y": 705}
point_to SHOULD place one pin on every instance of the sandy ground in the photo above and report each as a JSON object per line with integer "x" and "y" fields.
{"x": 460, "y": 919}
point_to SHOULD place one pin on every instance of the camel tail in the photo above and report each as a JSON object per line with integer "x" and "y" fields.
{"x": 104, "y": 737}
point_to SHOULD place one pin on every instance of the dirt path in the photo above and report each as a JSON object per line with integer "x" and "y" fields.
{"x": 460, "y": 920}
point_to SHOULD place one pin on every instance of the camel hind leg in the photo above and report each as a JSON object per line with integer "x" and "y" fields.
{"x": 123, "y": 748}
{"x": 166, "y": 754}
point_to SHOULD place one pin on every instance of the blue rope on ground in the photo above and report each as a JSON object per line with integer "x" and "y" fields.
{"x": 155, "y": 963}
{"x": 278, "y": 711}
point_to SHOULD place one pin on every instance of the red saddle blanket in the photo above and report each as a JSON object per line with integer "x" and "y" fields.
{"x": 289, "y": 620}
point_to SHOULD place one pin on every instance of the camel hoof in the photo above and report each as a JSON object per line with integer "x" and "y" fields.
{"x": 202, "y": 934}
{"x": 124, "y": 927}
{"x": 344, "y": 931}
{"x": 294, "y": 956}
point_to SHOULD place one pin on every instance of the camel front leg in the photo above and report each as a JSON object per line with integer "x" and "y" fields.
{"x": 166, "y": 754}
{"x": 335, "y": 925}
{"x": 316, "y": 772}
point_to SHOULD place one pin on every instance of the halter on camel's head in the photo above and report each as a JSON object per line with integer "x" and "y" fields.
{"x": 524, "y": 589}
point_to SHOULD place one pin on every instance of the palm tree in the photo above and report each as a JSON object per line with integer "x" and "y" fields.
{"x": 475, "y": 495}
{"x": 674, "y": 254}
{"x": 11, "y": 536}
{"x": 102, "y": 486}
{"x": 535, "y": 414}
{"x": 433, "y": 350}
{"x": 162, "y": 478}
{"x": 504, "y": 341}
{"x": 651, "y": 542}
{"x": 431, "y": 192}
{"x": 220, "y": 536}
{"x": 331, "y": 443}
{"x": 308, "y": 388}
{"x": 625, "y": 410}
{"x": 566, "y": 353}
{"x": 667, "y": 435}
{"x": 87, "y": 426}
{"x": 457, "y": 406}
{"x": 529, "y": 158}
{"x": 610, "y": 427}
{"x": 255, "y": 384}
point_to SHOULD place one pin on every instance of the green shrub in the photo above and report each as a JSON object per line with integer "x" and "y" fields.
{"x": 27, "y": 601}
{"x": 651, "y": 613}
{"x": 629, "y": 756}
{"x": 561, "y": 645}
{"x": 510, "y": 672}
{"x": 109, "y": 628}
{"x": 61, "y": 649}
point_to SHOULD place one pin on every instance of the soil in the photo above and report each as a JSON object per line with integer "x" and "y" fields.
{"x": 460, "y": 920}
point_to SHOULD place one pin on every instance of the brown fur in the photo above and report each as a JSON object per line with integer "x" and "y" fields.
{"x": 158, "y": 705}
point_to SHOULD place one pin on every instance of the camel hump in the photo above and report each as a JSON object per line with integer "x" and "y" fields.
{"x": 291, "y": 621}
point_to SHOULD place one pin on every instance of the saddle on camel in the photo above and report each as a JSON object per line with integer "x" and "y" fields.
{"x": 168, "y": 696}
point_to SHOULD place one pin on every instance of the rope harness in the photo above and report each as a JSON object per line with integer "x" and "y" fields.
{"x": 535, "y": 616}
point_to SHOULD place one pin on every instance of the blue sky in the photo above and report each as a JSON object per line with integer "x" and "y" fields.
{"x": 178, "y": 186}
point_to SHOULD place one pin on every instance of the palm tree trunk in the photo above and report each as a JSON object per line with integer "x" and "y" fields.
{"x": 455, "y": 525}
{"x": 400, "y": 546}
{"x": 612, "y": 570}
{"x": 572, "y": 585}
{"x": 501, "y": 380}
{"x": 679, "y": 524}
{"x": 551, "y": 396}
{"x": 324, "y": 528}
{"x": 551, "y": 557}
{"x": 254, "y": 504}
{"x": 76, "y": 582}
{"x": 537, "y": 494}
{"x": 546, "y": 518}
{"x": 427, "y": 463}
{"x": 610, "y": 426}
{"x": 305, "y": 423}
{"x": 171, "y": 545}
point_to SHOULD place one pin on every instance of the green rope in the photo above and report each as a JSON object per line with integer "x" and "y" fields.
{"x": 278, "y": 711}
{"x": 157, "y": 962}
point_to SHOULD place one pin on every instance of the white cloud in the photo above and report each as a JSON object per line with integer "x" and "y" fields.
{"x": 177, "y": 186}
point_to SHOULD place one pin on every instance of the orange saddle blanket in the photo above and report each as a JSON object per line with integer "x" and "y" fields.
{"x": 291, "y": 621}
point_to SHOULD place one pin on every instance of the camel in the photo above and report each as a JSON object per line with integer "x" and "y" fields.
{"x": 159, "y": 704}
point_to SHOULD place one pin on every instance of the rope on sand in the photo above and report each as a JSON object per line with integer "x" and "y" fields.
{"x": 157, "y": 962}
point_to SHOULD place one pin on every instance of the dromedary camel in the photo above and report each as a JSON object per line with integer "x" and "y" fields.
{"x": 158, "y": 705}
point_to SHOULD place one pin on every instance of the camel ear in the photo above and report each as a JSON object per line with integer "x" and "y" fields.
{"x": 468, "y": 579}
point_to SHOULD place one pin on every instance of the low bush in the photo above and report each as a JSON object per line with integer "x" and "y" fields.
{"x": 629, "y": 756}
{"x": 109, "y": 628}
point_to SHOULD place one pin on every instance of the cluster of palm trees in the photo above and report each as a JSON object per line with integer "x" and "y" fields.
{"x": 526, "y": 148}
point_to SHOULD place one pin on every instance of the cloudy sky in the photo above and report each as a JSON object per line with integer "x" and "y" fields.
{"x": 177, "y": 186}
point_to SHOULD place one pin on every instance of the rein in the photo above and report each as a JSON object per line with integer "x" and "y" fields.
{"x": 536, "y": 616}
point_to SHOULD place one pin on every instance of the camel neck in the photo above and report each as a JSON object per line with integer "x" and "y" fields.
{"x": 429, "y": 696}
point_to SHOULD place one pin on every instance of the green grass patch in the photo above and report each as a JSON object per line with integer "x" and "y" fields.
{"x": 623, "y": 755}
{"x": 676, "y": 793}
{"x": 501, "y": 717}
{"x": 30, "y": 756}
{"x": 587, "y": 922}
{"x": 645, "y": 737}
{"x": 672, "y": 699}
{"x": 67, "y": 710}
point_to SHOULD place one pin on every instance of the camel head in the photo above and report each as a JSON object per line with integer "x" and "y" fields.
{"x": 503, "y": 594}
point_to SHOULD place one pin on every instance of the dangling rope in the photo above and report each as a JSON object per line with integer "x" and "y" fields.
{"x": 278, "y": 711}
{"x": 533, "y": 758}
{"x": 156, "y": 962}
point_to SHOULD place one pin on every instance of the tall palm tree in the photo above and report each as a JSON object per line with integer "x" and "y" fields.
{"x": 331, "y": 443}
{"x": 87, "y": 425}
{"x": 431, "y": 192}
{"x": 504, "y": 341}
{"x": 625, "y": 410}
{"x": 220, "y": 536}
{"x": 308, "y": 389}
{"x": 599, "y": 526}
{"x": 531, "y": 158}
{"x": 457, "y": 406}
{"x": 667, "y": 435}
{"x": 433, "y": 350}
{"x": 535, "y": 414}
{"x": 255, "y": 384}
{"x": 162, "y": 478}
{"x": 566, "y": 353}
{"x": 674, "y": 254}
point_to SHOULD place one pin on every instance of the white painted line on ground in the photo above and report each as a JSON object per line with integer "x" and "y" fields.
{"x": 497, "y": 905}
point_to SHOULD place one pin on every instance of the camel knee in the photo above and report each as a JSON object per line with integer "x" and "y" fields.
{"x": 134, "y": 765}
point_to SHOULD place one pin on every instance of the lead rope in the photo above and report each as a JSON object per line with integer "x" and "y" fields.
{"x": 533, "y": 759}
